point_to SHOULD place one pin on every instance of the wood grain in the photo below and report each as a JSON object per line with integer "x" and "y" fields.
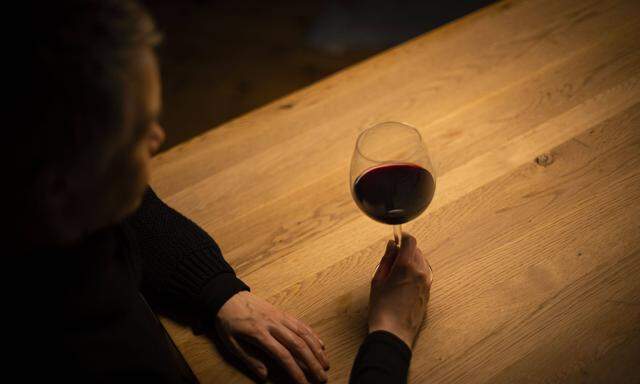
{"x": 531, "y": 111}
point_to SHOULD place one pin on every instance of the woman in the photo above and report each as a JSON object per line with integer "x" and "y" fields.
{"x": 106, "y": 248}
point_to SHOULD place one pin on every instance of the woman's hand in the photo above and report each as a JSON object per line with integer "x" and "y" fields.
{"x": 400, "y": 291}
{"x": 291, "y": 342}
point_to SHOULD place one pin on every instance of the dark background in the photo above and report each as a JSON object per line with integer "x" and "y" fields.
{"x": 221, "y": 59}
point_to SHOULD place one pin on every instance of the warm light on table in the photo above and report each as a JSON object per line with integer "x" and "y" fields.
{"x": 532, "y": 112}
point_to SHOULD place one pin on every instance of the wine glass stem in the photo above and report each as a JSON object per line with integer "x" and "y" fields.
{"x": 397, "y": 234}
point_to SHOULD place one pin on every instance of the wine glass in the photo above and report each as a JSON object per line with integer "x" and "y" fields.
{"x": 391, "y": 177}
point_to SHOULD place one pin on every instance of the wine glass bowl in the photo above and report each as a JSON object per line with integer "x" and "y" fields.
{"x": 391, "y": 175}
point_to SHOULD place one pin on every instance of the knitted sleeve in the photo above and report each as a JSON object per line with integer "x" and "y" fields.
{"x": 180, "y": 264}
{"x": 382, "y": 358}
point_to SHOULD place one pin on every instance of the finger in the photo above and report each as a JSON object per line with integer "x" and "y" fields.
{"x": 407, "y": 250}
{"x": 299, "y": 349}
{"x": 419, "y": 259}
{"x": 387, "y": 261}
{"x": 314, "y": 333}
{"x": 282, "y": 355}
{"x": 423, "y": 265}
{"x": 253, "y": 363}
{"x": 309, "y": 336}
{"x": 429, "y": 272}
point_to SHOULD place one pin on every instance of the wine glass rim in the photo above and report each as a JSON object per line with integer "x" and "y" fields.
{"x": 368, "y": 129}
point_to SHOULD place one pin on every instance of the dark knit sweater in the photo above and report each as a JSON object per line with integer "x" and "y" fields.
{"x": 89, "y": 311}
{"x": 383, "y": 358}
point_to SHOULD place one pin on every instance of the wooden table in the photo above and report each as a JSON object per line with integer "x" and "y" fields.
{"x": 531, "y": 111}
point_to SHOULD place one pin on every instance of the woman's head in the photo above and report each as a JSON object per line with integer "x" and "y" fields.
{"x": 91, "y": 103}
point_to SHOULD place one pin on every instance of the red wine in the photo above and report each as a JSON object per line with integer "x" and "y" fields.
{"x": 394, "y": 193}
